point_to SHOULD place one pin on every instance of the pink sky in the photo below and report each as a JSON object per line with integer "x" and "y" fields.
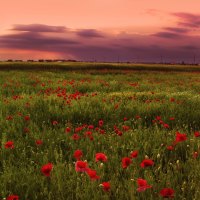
{"x": 100, "y": 29}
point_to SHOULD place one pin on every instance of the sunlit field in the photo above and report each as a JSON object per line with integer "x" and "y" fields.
{"x": 99, "y": 131}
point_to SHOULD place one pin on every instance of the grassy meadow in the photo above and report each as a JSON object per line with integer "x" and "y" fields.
{"x": 76, "y": 132}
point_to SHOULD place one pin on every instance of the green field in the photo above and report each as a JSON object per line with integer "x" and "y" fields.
{"x": 48, "y": 111}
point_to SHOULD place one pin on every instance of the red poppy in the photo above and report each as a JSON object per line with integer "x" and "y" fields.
{"x": 147, "y": 163}
{"x": 197, "y": 134}
{"x": 126, "y": 162}
{"x": 67, "y": 130}
{"x": 26, "y": 118}
{"x": 167, "y": 193}
{"x": 9, "y": 117}
{"x": 92, "y": 174}
{"x": 195, "y": 154}
{"x": 125, "y": 118}
{"x": 90, "y": 127}
{"x": 55, "y": 122}
{"x": 75, "y": 137}
{"x": 172, "y": 118}
{"x": 9, "y": 145}
{"x": 100, "y": 123}
{"x": 134, "y": 154}
{"x": 165, "y": 125}
{"x": 106, "y": 186}
{"x": 46, "y": 169}
{"x": 125, "y": 128}
{"x": 100, "y": 157}
{"x": 170, "y": 148}
{"x": 78, "y": 154}
{"x": 12, "y": 197}
{"x": 180, "y": 137}
{"x": 81, "y": 166}
{"x": 142, "y": 185}
{"x": 158, "y": 118}
{"x": 38, "y": 142}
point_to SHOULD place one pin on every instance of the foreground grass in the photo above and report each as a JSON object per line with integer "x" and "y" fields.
{"x": 140, "y": 111}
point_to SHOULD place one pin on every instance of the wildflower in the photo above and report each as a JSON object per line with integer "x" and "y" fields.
{"x": 38, "y": 142}
{"x": 67, "y": 130}
{"x": 12, "y": 197}
{"x": 197, "y": 134}
{"x": 171, "y": 118}
{"x": 46, "y": 169}
{"x": 106, "y": 186}
{"x": 81, "y": 166}
{"x": 142, "y": 185}
{"x": 100, "y": 123}
{"x": 165, "y": 125}
{"x": 9, "y": 145}
{"x": 180, "y": 137}
{"x": 54, "y": 122}
{"x": 92, "y": 174}
{"x": 90, "y": 127}
{"x": 75, "y": 137}
{"x": 146, "y": 163}
{"x": 126, "y": 161}
{"x": 78, "y": 154}
{"x": 125, "y": 128}
{"x": 170, "y": 148}
{"x": 26, "y": 118}
{"x": 167, "y": 193}
{"x": 125, "y": 118}
{"x": 195, "y": 154}
{"x": 134, "y": 154}
{"x": 100, "y": 157}
{"x": 9, "y": 117}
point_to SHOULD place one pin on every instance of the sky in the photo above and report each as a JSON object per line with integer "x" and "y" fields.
{"x": 101, "y": 30}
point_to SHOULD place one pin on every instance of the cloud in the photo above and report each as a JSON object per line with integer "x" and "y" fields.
{"x": 172, "y": 44}
{"x": 167, "y": 35}
{"x": 177, "y": 29}
{"x": 39, "y": 28}
{"x": 89, "y": 33}
{"x": 188, "y": 20}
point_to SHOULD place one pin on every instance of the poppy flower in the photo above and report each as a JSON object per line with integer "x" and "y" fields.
{"x": 165, "y": 125}
{"x": 92, "y": 174}
{"x": 195, "y": 154}
{"x": 106, "y": 186}
{"x": 9, "y": 145}
{"x": 26, "y": 118}
{"x": 147, "y": 163}
{"x": 125, "y": 128}
{"x": 134, "y": 154}
{"x": 100, "y": 157}
{"x": 46, "y": 169}
{"x": 54, "y": 122}
{"x": 126, "y": 161}
{"x": 75, "y": 137}
{"x": 90, "y": 127}
{"x": 81, "y": 166}
{"x": 180, "y": 137}
{"x": 142, "y": 185}
{"x": 100, "y": 123}
{"x": 12, "y": 197}
{"x": 197, "y": 134}
{"x": 9, "y": 117}
{"x": 170, "y": 148}
{"x": 38, "y": 142}
{"x": 78, "y": 154}
{"x": 167, "y": 193}
{"x": 67, "y": 130}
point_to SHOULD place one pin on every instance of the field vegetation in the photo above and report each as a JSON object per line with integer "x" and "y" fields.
{"x": 72, "y": 131}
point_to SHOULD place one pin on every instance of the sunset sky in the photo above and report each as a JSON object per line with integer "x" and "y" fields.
{"x": 101, "y": 30}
